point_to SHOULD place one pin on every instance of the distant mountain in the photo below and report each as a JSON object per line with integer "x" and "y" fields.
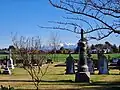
{"x": 65, "y": 45}
{"x": 68, "y": 45}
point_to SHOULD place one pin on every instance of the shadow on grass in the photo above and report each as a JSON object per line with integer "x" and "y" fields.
{"x": 59, "y": 81}
{"x": 105, "y": 83}
{"x": 87, "y": 86}
{"x": 101, "y": 86}
{"x": 114, "y": 74}
{"x": 70, "y": 81}
{"x": 75, "y": 85}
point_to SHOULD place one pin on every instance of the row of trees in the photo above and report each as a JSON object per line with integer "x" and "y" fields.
{"x": 56, "y": 49}
{"x": 107, "y": 47}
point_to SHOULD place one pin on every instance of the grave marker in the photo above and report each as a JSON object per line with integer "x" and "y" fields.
{"x": 10, "y": 61}
{"x": 6, "y": 69}
{"x": 90, "y": 64}
{"x": 102, "y": 64}
{"x": 70, "y": 65}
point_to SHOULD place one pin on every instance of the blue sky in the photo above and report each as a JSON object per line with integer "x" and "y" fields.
{"x": 23, "y": 16}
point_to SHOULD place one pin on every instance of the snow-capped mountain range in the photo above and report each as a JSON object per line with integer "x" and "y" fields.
{"x": 68, "y": 45}
{"x": 65, "y": 45}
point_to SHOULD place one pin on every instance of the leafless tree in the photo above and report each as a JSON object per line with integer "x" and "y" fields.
{"x": 33, "y": 58}
{"x": 54, "y": 43}
{"x": 101, "y": 17}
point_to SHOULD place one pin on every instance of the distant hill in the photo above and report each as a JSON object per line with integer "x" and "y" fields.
{"x": 65, "y": 45}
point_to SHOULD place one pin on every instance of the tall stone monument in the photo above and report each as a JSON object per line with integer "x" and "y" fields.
{"x": 82, "y": 74}
{"x": 70, "y": 65}
{"x": 10, "y": 61}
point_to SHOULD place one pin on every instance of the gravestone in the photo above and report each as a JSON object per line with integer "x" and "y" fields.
{"x": 82, "y": 74}
{"x": 6, "y": 69}
{"x": 0, "y": 69}
{"x": 102, "y": 64}
{"x": 10, "y": 61}
{"x": 115, "y": 60}
{"x": 90, "y": 64}
{"x": 118, "y": 65}
{"x": 70, "y": 65}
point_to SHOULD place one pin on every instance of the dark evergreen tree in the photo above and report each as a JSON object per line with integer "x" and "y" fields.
{"x": 115, "y": 49}
{"x": 92, "y": 47}
{"x": 119, "y": 48}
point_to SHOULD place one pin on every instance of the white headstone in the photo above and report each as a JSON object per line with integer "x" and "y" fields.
{"x": 10, "y": 61}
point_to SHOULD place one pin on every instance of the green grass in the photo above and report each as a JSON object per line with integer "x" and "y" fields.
{"x": 56, "y": 78}
{"x": 3, "y": 56}
{"x": 62, "y": 57}
{"x": 115, "y": 55}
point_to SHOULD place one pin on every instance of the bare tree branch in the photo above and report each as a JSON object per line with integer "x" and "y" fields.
{"x": 28, "y": 50}
{"x": 94, "y": 10}
{"x": 59, "y": 28}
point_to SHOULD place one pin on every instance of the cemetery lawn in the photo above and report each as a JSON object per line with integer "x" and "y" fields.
{"x": 56, "y": 79}
{"x": 62, "y": 57}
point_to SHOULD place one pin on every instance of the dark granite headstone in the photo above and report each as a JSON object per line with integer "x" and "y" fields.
{"x": 103, "y": 64}
{"x": 90, "y": 64}
{"x": 118, "y": 64}
{"x": 70, "y": 65}
{"x": 82, "y": 74}
{"x": 6, "y": 69}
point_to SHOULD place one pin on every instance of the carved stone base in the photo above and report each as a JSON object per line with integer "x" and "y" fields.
{"x": 7, "y": 71}
{"x": 11, "y": 66}
{"x": 82, "y": 77}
